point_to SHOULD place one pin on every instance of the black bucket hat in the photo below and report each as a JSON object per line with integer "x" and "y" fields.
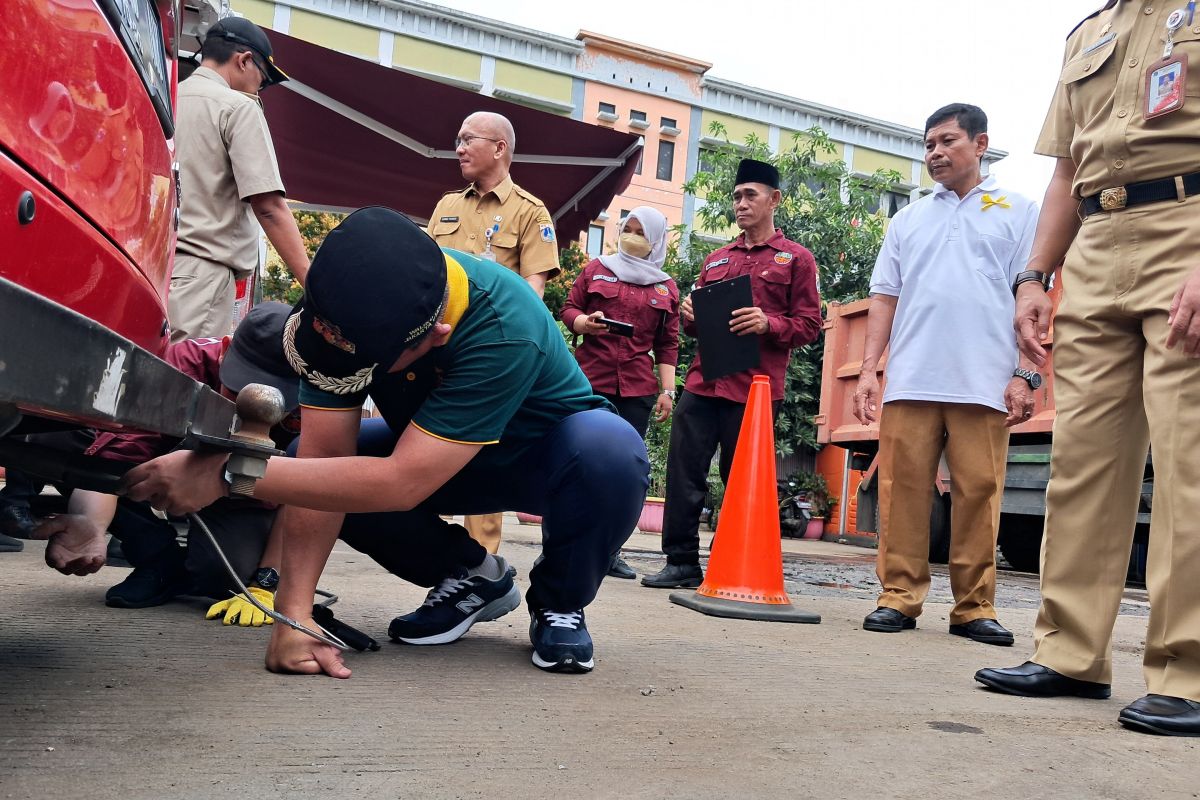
{"x": 376, "y": 287}
{"x": 256, "y": 353}
{"x": 244, "y": 32}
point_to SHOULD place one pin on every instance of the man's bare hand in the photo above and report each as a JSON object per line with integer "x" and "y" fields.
{"x": 685, "y": 310}
{"x": 291, "y": 651}
{"x": 1184, "y": 317}
{"x": 866, "y": 398}
{"x": 746, "y": 321}
{"x": 76, "y": 545}
{"x": 1032, "y": 321}
{"x": 1018, "y": 399}
{"x": 179, "y": 482}
{"x": 662, "y": 407}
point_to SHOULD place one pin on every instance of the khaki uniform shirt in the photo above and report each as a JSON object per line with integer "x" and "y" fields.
{"x": 1098, "y": 115}
{"x": 225, "y": 157}
{"x": 525, "y": 241}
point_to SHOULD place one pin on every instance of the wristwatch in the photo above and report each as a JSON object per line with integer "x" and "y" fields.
{"x": 1029, "y": 276}
{"x": 267, "y": 578}
{"x": 1032, "y": 378}
{"x": 669, "y": 393}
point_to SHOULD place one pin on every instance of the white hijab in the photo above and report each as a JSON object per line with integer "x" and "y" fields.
{"x": 642, "y": 271}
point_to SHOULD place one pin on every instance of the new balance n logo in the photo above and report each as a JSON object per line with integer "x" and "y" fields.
{"x": 469, "y": 604}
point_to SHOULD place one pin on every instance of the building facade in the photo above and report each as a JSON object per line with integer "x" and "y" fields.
{"x": 670, "y": 100}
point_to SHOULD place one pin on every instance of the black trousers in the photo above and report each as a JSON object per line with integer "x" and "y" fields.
{"x": 634, "y": 410}
{"x": 699, "y": 427}
{"x": 241, "y": 528}
{"x": 587, "y": 479}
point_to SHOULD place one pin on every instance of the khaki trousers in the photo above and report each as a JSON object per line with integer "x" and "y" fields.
{"x": 1117, "y": 390}
{"x": 200, "y": 301}
{"x": 912, "y": 436}
{"x": 485, "y": 529}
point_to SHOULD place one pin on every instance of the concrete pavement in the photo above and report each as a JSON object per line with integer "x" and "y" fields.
{"x": 104, "y": 703}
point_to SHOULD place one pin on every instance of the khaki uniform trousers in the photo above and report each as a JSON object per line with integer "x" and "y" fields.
{"x": 200, "y": 301}
{"x": 1117, "y": 390}
{"x": 485, "y": 529}
{"x": 912, "y": 436}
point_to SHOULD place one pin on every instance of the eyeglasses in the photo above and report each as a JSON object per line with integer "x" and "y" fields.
{"x": 465, "y": 141}
{"x": 266, "y": 81}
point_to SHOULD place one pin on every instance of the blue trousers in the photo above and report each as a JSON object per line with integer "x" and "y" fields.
{"x": 587, "y": 479}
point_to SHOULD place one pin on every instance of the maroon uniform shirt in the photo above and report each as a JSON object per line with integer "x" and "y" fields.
{"x": 621, "y": 365}
{"x": 783, "y": 283}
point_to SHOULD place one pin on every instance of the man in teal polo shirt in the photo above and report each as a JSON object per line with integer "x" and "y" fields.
{"x": 476, "y": 389}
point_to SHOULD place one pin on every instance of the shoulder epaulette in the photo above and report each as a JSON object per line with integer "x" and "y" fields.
{"x": 1107, "y": 6}
{"x": 527, "y": 195}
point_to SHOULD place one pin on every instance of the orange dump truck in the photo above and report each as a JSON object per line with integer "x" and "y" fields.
{"x": 1023, "y": 506}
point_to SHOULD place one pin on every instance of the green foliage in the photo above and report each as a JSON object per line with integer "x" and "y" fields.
{"x": 813, "y": 483}
{"x": 571, "y": 260}
{"x": 278, "y": 283}
{"x": 825, "y": 208}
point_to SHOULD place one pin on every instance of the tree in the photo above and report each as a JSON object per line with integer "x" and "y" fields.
{"x": 571, "y": 260}
{"x": 278, "y": 283}
{"x": 825, "y": 208}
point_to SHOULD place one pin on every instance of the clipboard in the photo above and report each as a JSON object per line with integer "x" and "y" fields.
{"x": 723, "y": 352}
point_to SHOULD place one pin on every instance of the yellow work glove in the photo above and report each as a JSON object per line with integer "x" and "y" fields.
{"x": 239, "y": 610}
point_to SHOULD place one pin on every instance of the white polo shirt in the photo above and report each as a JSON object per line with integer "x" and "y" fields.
{"x": 951, "y": 263}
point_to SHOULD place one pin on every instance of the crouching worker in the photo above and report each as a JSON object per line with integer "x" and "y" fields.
{"x": 483, "y": 409}
{"x": 162, "y": 569}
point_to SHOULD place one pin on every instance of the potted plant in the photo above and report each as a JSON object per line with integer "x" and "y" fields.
{"x": 821, "y": 502}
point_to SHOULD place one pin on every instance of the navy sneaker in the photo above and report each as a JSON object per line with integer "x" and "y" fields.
{"x": 561, "y": 642}
{"x": 454, "y": 605}
{"x": 148, "y": 586}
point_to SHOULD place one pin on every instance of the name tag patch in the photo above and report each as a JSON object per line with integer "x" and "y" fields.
{"x": 716, "y": 264}
{"x": 448, "y": 219}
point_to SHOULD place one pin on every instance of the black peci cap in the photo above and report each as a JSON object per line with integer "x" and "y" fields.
{"x": 376, "y": 286}
{"x": 751, "y": 171}
{"x": 244, "y": 32}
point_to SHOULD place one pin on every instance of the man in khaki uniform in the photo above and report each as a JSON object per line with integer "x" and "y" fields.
{"x": 495, "y": 219}
{"x": 227, "y": 170}
{"x": 1127, "y": 339}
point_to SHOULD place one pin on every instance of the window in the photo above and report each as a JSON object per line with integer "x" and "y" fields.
{"x": 608, "y": 108}
{"x": 595, "y": 241}
{"x": 666, "y": 160}
{"x": 667, "y": 122}
{"x": 638, "y": 169}
{"x": 624, "y": 214}
{"x": 894, "y": 201}
{"x": 607, "y": 112}
{"x": 706, "y": 161}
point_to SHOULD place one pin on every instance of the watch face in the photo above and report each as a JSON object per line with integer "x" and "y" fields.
{"x": 267, "y": 578}
{"x": 1035, "y": 380}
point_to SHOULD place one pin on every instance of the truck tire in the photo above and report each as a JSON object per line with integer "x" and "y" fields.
{"x": 939, "y": 529}
{"x": 1020, "y": 540}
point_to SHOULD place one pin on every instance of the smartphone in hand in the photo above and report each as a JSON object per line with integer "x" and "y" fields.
{"x": 617, "y": 327}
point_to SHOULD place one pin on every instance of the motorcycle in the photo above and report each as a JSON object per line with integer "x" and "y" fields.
{"x": 795, "y": 510}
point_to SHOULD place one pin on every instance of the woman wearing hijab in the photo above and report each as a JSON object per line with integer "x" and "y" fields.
{"x": 629, "y": 286}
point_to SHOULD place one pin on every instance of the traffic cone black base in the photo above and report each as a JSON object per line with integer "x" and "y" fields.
{"x": 733, "y": 609}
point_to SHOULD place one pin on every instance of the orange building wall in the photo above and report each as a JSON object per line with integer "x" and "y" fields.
{"x": 645, "y": 189}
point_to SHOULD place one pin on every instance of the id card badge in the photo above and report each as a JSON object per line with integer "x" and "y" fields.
{"x": 1166, "y": 81}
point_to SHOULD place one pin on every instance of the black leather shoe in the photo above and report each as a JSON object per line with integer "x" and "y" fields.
{"x": 676, "y": 576}
{"x": 619, "y": 569}
{"x": 988, "y": 631}
{"x": 146, "y": 587}
{"x": 1159, "y": 713}
{"x": 16, "y": 521}
{"x": 1034, "y": 680}
{"x": 10, "y": 545}
{"x": 888, "y": 620}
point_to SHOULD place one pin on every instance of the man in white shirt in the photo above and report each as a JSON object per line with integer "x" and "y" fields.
{"x": 942, "y": 302}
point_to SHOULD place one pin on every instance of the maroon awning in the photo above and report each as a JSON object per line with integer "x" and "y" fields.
{"x": 352, "y": 133}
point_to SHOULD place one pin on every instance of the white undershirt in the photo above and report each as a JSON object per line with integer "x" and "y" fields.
{"x": 951, "y": 263}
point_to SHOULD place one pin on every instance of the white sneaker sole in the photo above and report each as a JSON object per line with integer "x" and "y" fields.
{"x": 565, "y": 665}
{"x": 493, "y": 610}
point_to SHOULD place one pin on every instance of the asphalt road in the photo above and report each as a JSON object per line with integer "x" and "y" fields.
{"x": 159, "y": 703}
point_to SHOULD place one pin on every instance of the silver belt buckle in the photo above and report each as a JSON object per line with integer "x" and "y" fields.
{"x": 1114, "y": 199}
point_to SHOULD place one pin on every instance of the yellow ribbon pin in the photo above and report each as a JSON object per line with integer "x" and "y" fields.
{"x": 988, "y": 202}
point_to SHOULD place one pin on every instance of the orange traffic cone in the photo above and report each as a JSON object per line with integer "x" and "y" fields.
{"x": 745, "y": 571}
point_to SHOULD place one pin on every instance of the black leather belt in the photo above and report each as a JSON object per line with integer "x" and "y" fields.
{"x": 1136, "y": 194}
